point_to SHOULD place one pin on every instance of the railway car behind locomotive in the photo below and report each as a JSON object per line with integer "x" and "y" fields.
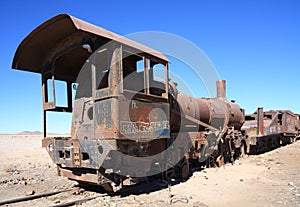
{"x": 268, "y": 130}
{"x": 126, "y": 124}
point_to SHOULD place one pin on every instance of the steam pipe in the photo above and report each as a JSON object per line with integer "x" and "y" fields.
{"x": 221, "y": 89}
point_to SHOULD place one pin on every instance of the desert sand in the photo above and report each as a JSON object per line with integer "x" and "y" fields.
{"x": 269, "y": 179}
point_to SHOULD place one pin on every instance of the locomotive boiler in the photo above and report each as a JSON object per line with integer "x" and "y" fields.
{"x": 217, "y": 123}
{"x": 126, "y": 124}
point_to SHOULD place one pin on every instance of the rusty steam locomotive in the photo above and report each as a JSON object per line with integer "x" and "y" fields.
{"x": 126, "y": 124}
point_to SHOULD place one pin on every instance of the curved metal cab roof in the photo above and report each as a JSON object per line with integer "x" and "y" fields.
{"x": 48, "y": 39}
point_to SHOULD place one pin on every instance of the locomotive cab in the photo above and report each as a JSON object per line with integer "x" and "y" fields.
{"x": 117, "y": 93}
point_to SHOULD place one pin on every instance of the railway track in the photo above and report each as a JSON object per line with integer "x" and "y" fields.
{"x": 78, "y": 195}
{"x": 69, "y": 192}
{"x": 84, "y": 193}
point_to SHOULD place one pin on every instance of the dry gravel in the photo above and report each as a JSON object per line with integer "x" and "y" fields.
{"x": 270, "y": 179}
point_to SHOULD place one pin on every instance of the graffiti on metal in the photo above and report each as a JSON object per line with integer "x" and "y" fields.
{"x": 128, "y": 127}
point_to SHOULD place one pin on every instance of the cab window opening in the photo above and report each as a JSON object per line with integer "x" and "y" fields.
{"x": 140, "y": 73}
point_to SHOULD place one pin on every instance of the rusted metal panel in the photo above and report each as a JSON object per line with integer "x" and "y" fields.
{"x": 79, "y": 152}
{"x": 85, "y": 177}
{"x": 64, "y": 27}
{"x": 143, "y": 120}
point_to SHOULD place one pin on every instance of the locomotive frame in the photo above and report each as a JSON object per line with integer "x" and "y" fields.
{"x": 122, "y": 117}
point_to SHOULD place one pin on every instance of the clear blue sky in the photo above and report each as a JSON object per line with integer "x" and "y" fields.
{"x": 254, "y": 45}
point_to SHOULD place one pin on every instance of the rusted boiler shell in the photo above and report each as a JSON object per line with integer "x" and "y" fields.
{"x": 237, "y": 116}
{"x": 197, "y": 108}
{"x": 212, "y": 110}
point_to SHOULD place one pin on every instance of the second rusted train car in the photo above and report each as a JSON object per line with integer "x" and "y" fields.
{"x": 267, "y": 130}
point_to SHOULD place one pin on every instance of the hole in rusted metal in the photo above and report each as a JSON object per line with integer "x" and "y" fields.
{"x": 90, "y": 113}
{"x": 100, "y": 149}
{"x": 85, "y": 156}
{"x": 68, "y": 154}
{"x": 61, "y": 154}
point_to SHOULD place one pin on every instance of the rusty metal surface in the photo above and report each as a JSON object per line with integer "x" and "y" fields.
{"x": 216, "y": 123}
{"x": 216, "y": 112}
{"x": 237, "y": 115}
{"x": 118, "y": 109}
{"x": 121, "y": 113}
{"x": 270, "y": 129}
{"x": 271, "y": 122}
{"x": 85, "y": 177}
{"x": 68, "y": 34}
{"x": 221, "y": 89}
{"x": 143, "y": 120}
{"x": 260, "y": 121}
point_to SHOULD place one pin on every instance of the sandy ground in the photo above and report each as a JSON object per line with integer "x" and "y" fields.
{"x": 270, "y": 179}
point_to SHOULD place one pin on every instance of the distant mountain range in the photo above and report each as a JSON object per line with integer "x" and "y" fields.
{"x": 37, "y": 133}
{"x": 31, "y": 133}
